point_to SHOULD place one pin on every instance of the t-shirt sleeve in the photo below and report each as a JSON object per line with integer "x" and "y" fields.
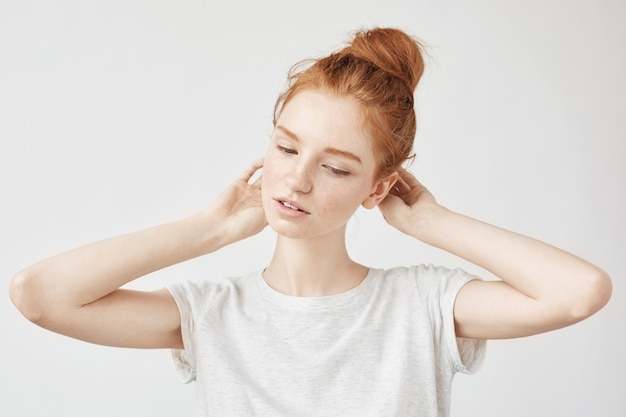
{"x": 438, "y": 287}
{"x": 184, "y": 359}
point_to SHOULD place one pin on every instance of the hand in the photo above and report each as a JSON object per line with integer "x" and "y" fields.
{"x": 238, "y": 211}
{"x": 407, "y": 202}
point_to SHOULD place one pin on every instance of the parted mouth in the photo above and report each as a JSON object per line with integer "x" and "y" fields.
{"x": 290, "y": 204}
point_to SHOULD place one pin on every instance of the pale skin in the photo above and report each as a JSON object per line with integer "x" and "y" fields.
{"x": 320, "y": 161}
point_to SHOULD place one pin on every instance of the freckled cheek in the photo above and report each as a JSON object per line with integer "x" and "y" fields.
{"x": 271, "y": 182}
{"x": 267, "y": 183}
{"x": 341, "y": 201}
{"x": 269, "y": 173}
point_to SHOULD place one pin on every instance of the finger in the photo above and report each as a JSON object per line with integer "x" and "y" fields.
{"x": 257, "y": 182}
{"x": 402, "y": 186}
{"x": 251, "y": 170}
{"x": 408, "y": 178}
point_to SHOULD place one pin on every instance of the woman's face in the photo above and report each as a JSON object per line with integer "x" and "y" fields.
{"x": 319, "y": 167}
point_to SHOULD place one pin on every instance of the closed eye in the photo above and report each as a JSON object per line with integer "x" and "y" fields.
{"x": 337, "y": 171}
{"x": 286, "y": 150}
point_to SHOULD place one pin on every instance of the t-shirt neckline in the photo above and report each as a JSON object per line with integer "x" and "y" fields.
{"x": 300, "y": 302}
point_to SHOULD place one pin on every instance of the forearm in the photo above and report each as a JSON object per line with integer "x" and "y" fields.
{"x": 534, "y": 268}
{"x": 86, "y": 274}
{"x": 543, "y": 288}
{"x": 78, "y": 293}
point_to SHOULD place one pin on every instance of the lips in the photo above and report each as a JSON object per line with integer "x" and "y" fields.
{"x": 290, "y": 204}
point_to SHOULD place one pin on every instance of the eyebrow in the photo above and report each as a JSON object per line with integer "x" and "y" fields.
{"x": 328, "y": 150}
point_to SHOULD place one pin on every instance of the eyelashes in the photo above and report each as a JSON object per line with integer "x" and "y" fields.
{"x": 336, "y": 171}
{"x": 287, "y": 150}
{"x": 330, "y": 168}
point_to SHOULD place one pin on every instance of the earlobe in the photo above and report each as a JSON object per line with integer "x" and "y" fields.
{"x": 380, "y": 190}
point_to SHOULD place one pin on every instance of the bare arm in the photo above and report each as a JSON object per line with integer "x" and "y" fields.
{"x": 543, "y": 288}
{"x": 78, "y": 293}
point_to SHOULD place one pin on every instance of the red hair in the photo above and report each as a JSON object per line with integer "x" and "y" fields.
{"x": 380, "y": 68}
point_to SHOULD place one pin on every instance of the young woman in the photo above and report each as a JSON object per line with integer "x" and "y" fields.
{"x": 316, "y": 333}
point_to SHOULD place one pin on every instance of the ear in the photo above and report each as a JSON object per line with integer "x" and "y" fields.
{"x": 380, "y": 190}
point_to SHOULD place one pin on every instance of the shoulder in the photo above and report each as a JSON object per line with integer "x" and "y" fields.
{"x": 427, "y": 279}
{"x": 425, "y": 272}
{"x": 211, "y": 291}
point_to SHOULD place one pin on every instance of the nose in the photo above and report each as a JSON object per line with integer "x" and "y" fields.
{"x": 299, "y": 178}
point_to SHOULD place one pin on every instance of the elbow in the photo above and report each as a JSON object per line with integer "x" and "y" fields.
{"x": 23, "y": 294}
{"x": 594, "y": 293}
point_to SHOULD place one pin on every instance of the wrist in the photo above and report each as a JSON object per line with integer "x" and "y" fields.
{"x": 429, "y": 222}
{"x": 206, "y": 233}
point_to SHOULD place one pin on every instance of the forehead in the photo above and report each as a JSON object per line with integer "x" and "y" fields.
{"x": 327, "y": 119}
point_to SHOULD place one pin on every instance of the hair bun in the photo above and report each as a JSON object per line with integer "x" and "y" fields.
{"x": 391, "y": 50}
{"x": 380, "y": 69}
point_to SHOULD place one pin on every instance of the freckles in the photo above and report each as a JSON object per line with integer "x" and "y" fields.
{"x": 342, "y": 200}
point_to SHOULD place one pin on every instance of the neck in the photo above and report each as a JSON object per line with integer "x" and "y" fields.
{"x": 313, "y": 267}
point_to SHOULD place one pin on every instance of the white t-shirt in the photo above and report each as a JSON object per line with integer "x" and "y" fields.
{"x": 385, "y": 348}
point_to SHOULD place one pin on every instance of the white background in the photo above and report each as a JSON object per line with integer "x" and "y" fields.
{"x": 117, "y": 115}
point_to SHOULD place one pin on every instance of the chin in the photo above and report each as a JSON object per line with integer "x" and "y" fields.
{"x": 288, "y": 231}
{"x": 295, "y": 232}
